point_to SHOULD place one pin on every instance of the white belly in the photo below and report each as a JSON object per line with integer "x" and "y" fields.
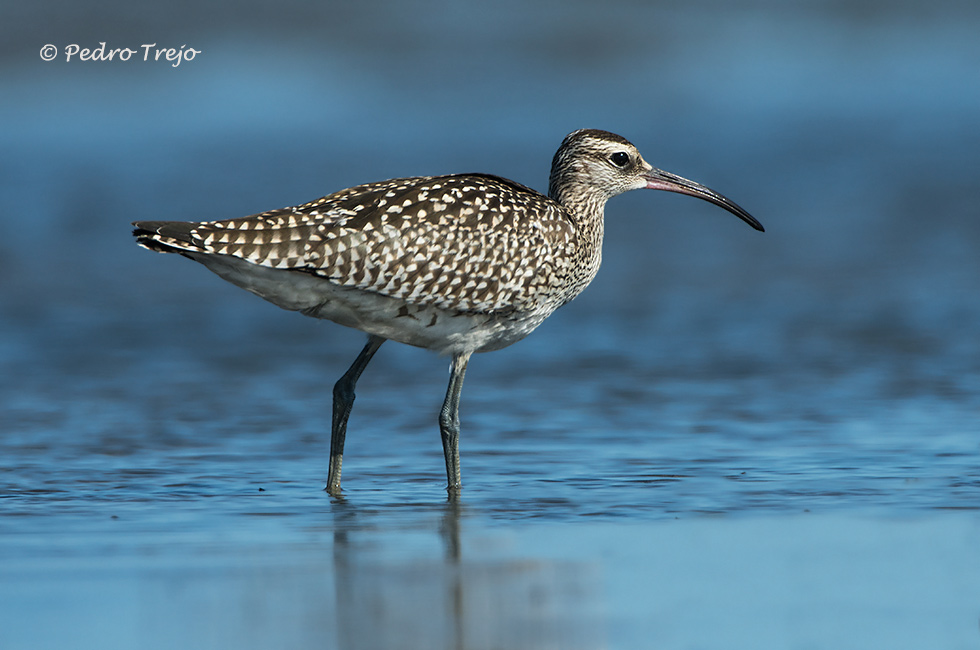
{"x": 441, "y": 330}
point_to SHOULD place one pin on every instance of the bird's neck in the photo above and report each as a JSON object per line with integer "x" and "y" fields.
{"x": 586, "y": 211}
{"x": 571, "y": 185}
{"x": 585, "y": 207}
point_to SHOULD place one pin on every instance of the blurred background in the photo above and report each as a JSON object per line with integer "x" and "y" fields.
{"x": 847, "y": 128}
{"x": 831, "y": 363}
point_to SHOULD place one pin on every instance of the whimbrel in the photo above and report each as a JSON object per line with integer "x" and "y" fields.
{"x": 457, "y": 264}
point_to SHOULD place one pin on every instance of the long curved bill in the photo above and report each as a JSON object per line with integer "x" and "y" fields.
{"x": 658, "y": 179}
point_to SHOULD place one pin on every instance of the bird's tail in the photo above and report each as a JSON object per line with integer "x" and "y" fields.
{"x": 166, "y": 236}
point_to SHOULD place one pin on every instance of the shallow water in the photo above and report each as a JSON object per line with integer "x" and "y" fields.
{"x": 433, "y": 577}
{"x": 729, "y": 440}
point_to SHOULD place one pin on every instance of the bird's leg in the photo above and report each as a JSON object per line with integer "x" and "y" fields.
{"x": 343, "y": 401}
{"x": 449, "y": 421}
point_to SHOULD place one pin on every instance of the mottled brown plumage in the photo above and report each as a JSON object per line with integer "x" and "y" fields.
{"x": 458, "y": 264}
{"x": 455, "y": 242}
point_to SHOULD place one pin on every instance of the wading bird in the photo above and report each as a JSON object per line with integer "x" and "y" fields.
{"x": 457, "y": 264}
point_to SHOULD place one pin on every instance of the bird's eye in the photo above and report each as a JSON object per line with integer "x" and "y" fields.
{"x": 620, "y": 159}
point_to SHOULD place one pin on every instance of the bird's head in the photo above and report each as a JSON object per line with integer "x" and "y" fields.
{"x": 592, "y": 166}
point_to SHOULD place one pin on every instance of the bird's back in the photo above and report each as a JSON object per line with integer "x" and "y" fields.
{"x": 468, "y": 243}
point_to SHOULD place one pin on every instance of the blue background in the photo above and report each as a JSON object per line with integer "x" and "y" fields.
{"x": 788, "y": 420}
